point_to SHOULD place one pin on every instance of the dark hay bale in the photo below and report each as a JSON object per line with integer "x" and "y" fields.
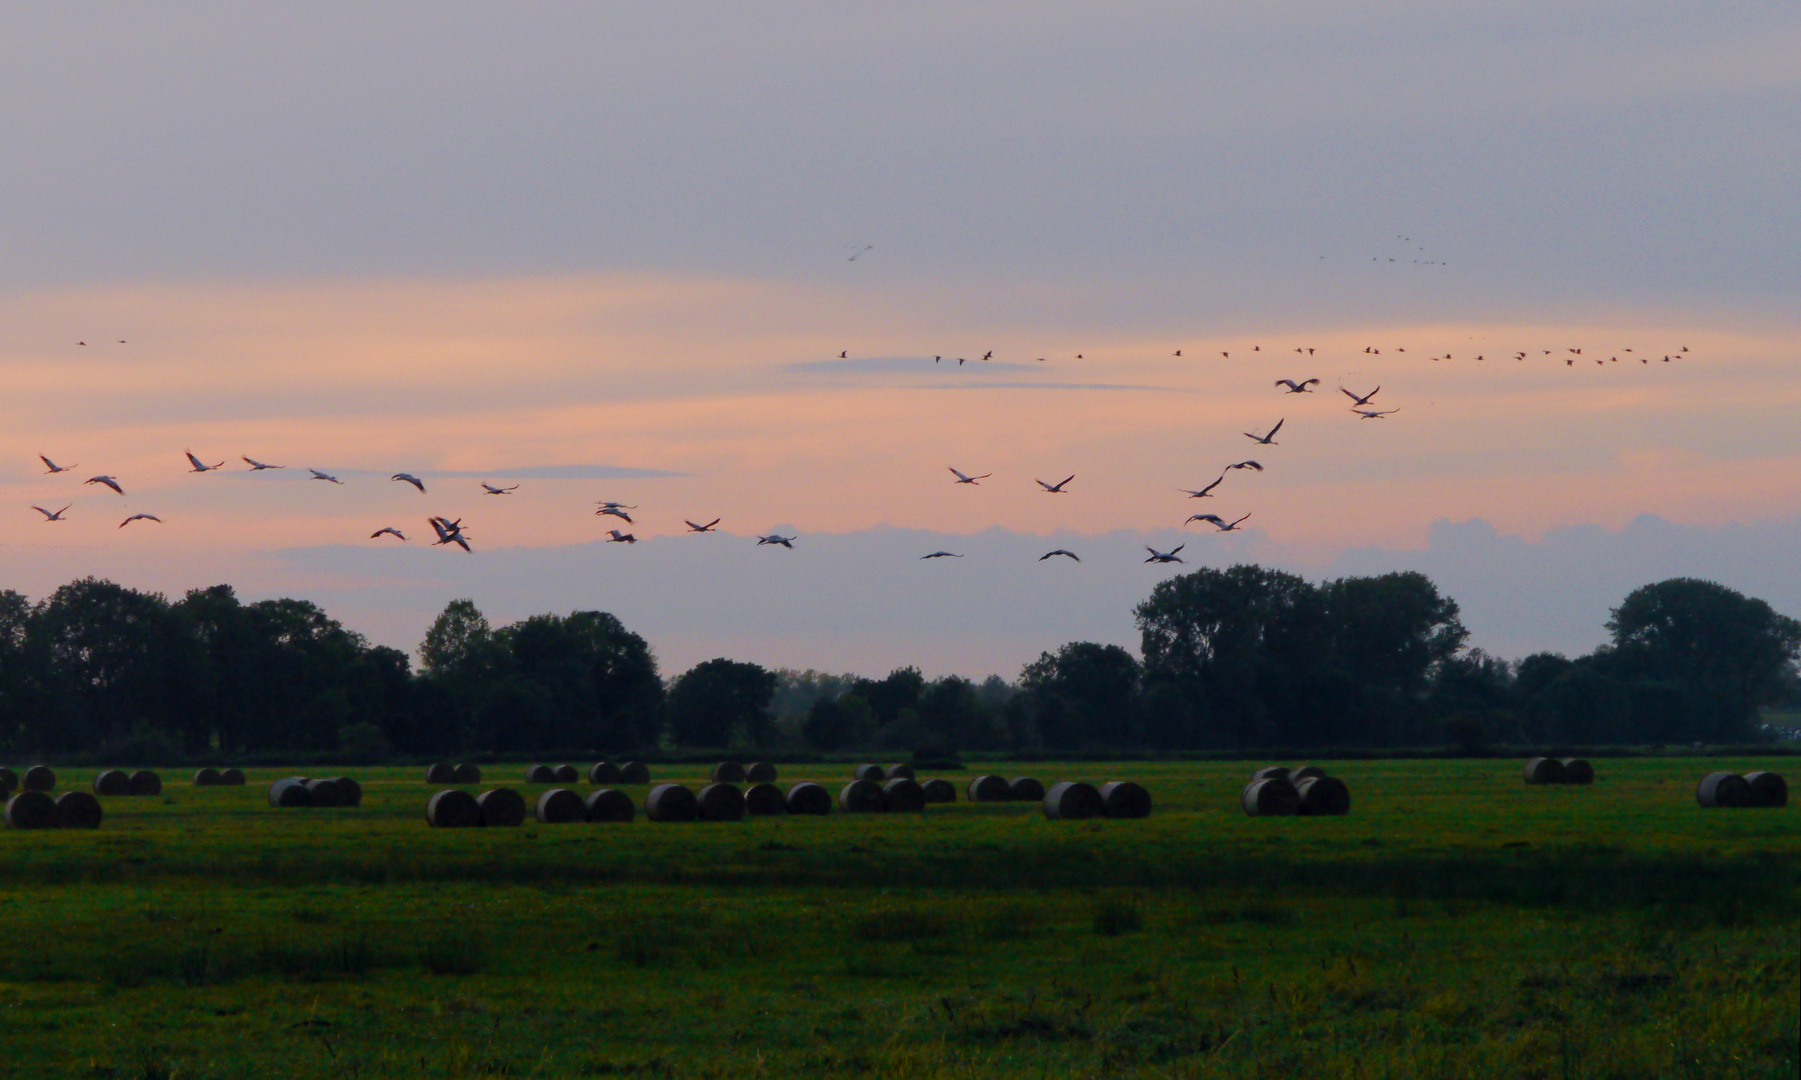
{"x": 453, "y": 808}
{"x": 721, "y": 802}
{"x": 560, "y": 806}
{"x": 898, "y": 772}
{"x": 350, "y": 793}
{"x": 40, "y": 778}
{"x": 807, "y": 797}
{"x": 290, "y": 792}
{"x": 540, "y": 774}
{"x": 325, "y": 792}
{"x": 1723, "y": 789}
{"x": 1577, "y": 771}
{"x": 208, "y": 777}
{"x": 112, "y": 782}
{"x": 760, "y": 772}
{"x": 1270, "y": 798}
{"x": 1306, "y": 772}
{"x": 988, "y": 789}
{"x": 611, "y": 804}
{"x": 727, "y": 772}
{"x": 1072, "y": 800}
{"x": 1767, "y": 789}
{"x": 466, "y": 774}
{"x": 566, "y": 774}
{"x": 78, "y": 810}
{"x": 861, "y": 797}
{"x": 939, "y": 790}
{"x": 1324, "y": 796}
{"x": 671, "y": 802}
{"x": 1272, "y": 772}
{"x": 1544, "y": 770}
{"x": 31, "y": 810}
{"x": 499, "y": 808}
{"x": 1024, "y": 789}
{"x": 634, "y": 772}
{"x": 441, "y": 774}
{"x": 903, "y": 795}
{"x": 233, "y": 777}
{"x": 603, "y": 772}
{"x": 145, "y": 782}
{"x": 872, "y": 773}
{"x": 764, "y": 800}
{"x": 1124, "y": 799}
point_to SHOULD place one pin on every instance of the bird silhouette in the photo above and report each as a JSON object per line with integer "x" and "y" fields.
{"x": 409, "y": 478}
{"x": 317, "y": 475}
{"x": 1302, "y": 387}
{"x": 257, "y": 466}
{"x": 963, "y": 478}
{"x": 612, "y": 510}
{"x": 490, "y": 489}
{"x": 942, "y": 555}
{"x": 388, "y": 530}
{"x": 1252, "y": 465}
{"x": 199, "y": 466}
{"x": 772, "y": 538}
{"x": 109, "y": 481}
{"x": 1164, "y": 556}
{"x": 1269, "y": 439}
{"x": 617, "y": 537}
{"x": 449, "y": 532}
{"x": 1217, "y": 522}
{"x": 1204, "y": 492}
{"x": 52, "y": 468}
{"x": 48, "y": 516}
{"x": 1056, "y": 488}
{"x": 708, "y": 527}
{"x": 1376, "y": 414}
{"x": 1363, "y": 400}
{"x": 1060, "y": 551}
{"x": 140, "y": 517}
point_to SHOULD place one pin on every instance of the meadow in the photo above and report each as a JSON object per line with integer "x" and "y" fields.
{"x": 1456, "y": 923}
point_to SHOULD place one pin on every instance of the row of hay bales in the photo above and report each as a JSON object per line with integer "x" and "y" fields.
{"x": 211, "y": 777}
{"x": 1277, "y": 791}
{"x": 732, "y": 772}
{"x": 115, "y": 783}
{"x": 1546, "y": 770}
{"x": 35, "y": 809}
{"x": 36, "y": 778}
{"x": 601, "y": 772}
{"x": 453, "y": 774}
{"x": 301, "y": 792}
{"x": 1724, "y": 790}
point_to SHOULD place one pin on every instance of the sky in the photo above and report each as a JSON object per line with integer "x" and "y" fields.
{"x": 606, "y": 252}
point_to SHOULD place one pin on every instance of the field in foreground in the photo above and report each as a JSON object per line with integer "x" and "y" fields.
{"x": 1458, "y": 923}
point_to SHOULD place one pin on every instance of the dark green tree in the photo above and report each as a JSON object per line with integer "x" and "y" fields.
{"x": 1085, "y": 695}
{"x": 719, "y": 702}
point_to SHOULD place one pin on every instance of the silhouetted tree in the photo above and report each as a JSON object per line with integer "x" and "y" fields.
{"x": 718, "y": 702}
{"x": 1085, "y": 695}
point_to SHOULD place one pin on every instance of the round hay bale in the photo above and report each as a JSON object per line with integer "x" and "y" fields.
{"x": 1306, "y": 772}
{"x": 872, "y": 773}
{"x": 232, "y": 777}
{"x": 350, "y": 793}
{"x": 1272, "y": 772}
{"x": 567, "y": 774}
{"x": 861, "y": 797}
{"x": 1767, "y": 789}
{"x": 1324, "y": 796}
{"x": 500, "y": 808}
{"x": 8, "y": 778}
{"x": 1124, "y": 799}
{"x": 78, "y": 810}
{"x": 466, "y": 774}
{"x": 903, "y": 795}
{"x": 1270, "y": 798}
{"x": 1577, "y": 771}
{"x": 208, "y": 777}
{"x": 1544, "y": 770}
{"x": 671, "y": 802}
{"x": 1024, "y": 789}
{"x": 988, "y": 789}
{"x": 540, "y": 774}
{"x": 603, "y": 772}
{"x": 441, "y": 774}
{"x": 764, "y": 800}
{"x": 453, "y": 808}
{"x": 1072, "y": 800}
{"x": 634, "y": 772}
{"x": 112, "y": 783}
{"x": 721, "y": 802}
{"x": 145, "y": 782}
{"x": 939, "y": 790}
{"x": 610, "y": 804}
{"x": 1723, "y": 789}
{"x": 31, "y": 810}
{"x": 560, "y": 806}
{"x": 40, "y": 778}
{"x": 289, "y": 792}
{"x": 760, "y": 772}
{"x": 727, "y": 772}
{"x": 898, "y": 772}
{"x": 807, "y": 797}
{"x": 324, "y": 792}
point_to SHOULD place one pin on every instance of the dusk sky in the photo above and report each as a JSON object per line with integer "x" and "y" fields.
{"x": 605, "y": 252}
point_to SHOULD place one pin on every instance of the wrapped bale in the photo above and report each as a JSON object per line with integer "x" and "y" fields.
{"x": 872, "y": 773}
{"x": 441, "y": 774}
{"x": 861, "y": 797}
{"x": 465, "y": 774}
{"x": 903, "y": 795}
{"x": 290, "y": 792}
{"x": 208, "y": 777}
{"x": 1324, "y": 796}
{"x": 232, "y": 777}
{"x": 112, "y": 783}
{"x": 671, "y": 803}
{"x": 1072, "y": 800}
{"x": 603, "y": 772}
{"x": 453, "y": 808}
{"x": 1124, "y": 799}
{"x": 1272, "y": 772}
{"x": 1577, "y": 771}
{"x": 540, "y": 774}
{"x": 566, "y": 774}
{"x": 350, "y": 793}
{"x": 634, "y": 772}
{"x": 721, "y": 802}
{"x": 898, "y": 772}
{"x": 324, "y": 792}
{"x": 727, "y": 772}
{"x": 31, "y": 810}
{"x": 760, "y": 772}
{"x": 78, "y": 810}
{"x": 764, "y": 800}
{"x": 610, "y": 804}
{"x": 145, "y": 782}
{"x": 1544, "y": 770}
{"x": 1270, "y": 798}
{"x": 499, "y": 808}
{"x": 1723, "y": 789}
{"x": 807, "y": 797}
{"x": 40, "y": 778}
{"x": 1306, "y": 772}
{"x": 989, "y": 789}
{"x": 560, "y": 806}
{"x": 1767, "y": 788}
{"x": 1024, "y": 789}
{"x": 939, "y": 790}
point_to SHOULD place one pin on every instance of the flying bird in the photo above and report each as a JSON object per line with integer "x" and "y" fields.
{"x": 492, "y": 490}
{"x": 1204, "y": 492}
{"x": 1376, "y": 414}
{"x": 845, "y": 355}
{"x": 140, "y": 517}
{"x": 1269, "y": 439}
{"x": 257, "y": 466}
{"x": 708, "y": 527}
{"x": 409, "y": 478}
{"x": 989, "y": 355}
{"x": 1217, "y": 522}
{"x": 965, "y": 479}
{"x": 612, "y": 510}
{"x": 1164, "y": 556}
{"x": 616, "y": 506}
{"x": 449, "y": 532}
{"x": 1301, "y": 387}
{"x": 53, "y": 468}
{"x": 1363, "y": 400}
{"x": 317, "y": 475}
{"x": 388, "y": 530}
{"x": 617, "y": 537}
{"x": 942, "y": 555}
{"x": 772, "y": 538}
{"x": 1056, "y": 488}
{"x": 1066, "y": 554}
{"x": 48, "y": 516}
{"x": 1247, "y": 464}
{"x": 109, "y": 481}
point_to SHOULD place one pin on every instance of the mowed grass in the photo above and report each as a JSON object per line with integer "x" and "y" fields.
{"x": 1457, "y": 923}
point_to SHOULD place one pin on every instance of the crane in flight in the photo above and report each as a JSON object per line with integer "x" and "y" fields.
{"x": 51, "y": 468}
{"x": 449, "y": 532}
{"x": 774, "y": 538}
{"x": 140, "y": 517}
{"x": 109, "y": 481}
{"x": 409, "y": 478}
{"x": 614, "y": 536}
{"x": 48, "y": 516}
{"x": 1066, "y": 554}
{"x": 257, "y": 466}
{"x": 1269, "y": 439}
{"x": 1356, "y": 400}
{"x": 388, "y": 530}
{"x": 942, "y": 555}
{"x": 200, "y": 466}
{"x": 1218, "y": 522}
{"x": 1056, "y": 488}
{"x": 317, "y": 475}
{"x": 1303, "y": 387}
{"x": 964, "y": 478}
{"x": 1206, "y": 491}
{"x": 1252, "y": 465}
{"x": 490, "y": 489}
{"x": 1164, "y": 556}
{"x": 614, "y": 510}
{"x": 708, "y": 527}
{"x": 1376, "y": 414}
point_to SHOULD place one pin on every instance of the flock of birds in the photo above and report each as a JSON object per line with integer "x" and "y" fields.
{"x": 451, "y": 531}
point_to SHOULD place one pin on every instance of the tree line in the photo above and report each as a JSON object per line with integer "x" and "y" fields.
{"x": 1241, "y": 657}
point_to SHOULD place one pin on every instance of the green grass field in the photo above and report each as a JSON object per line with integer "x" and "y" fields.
{"x": 1457, "y": 923}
